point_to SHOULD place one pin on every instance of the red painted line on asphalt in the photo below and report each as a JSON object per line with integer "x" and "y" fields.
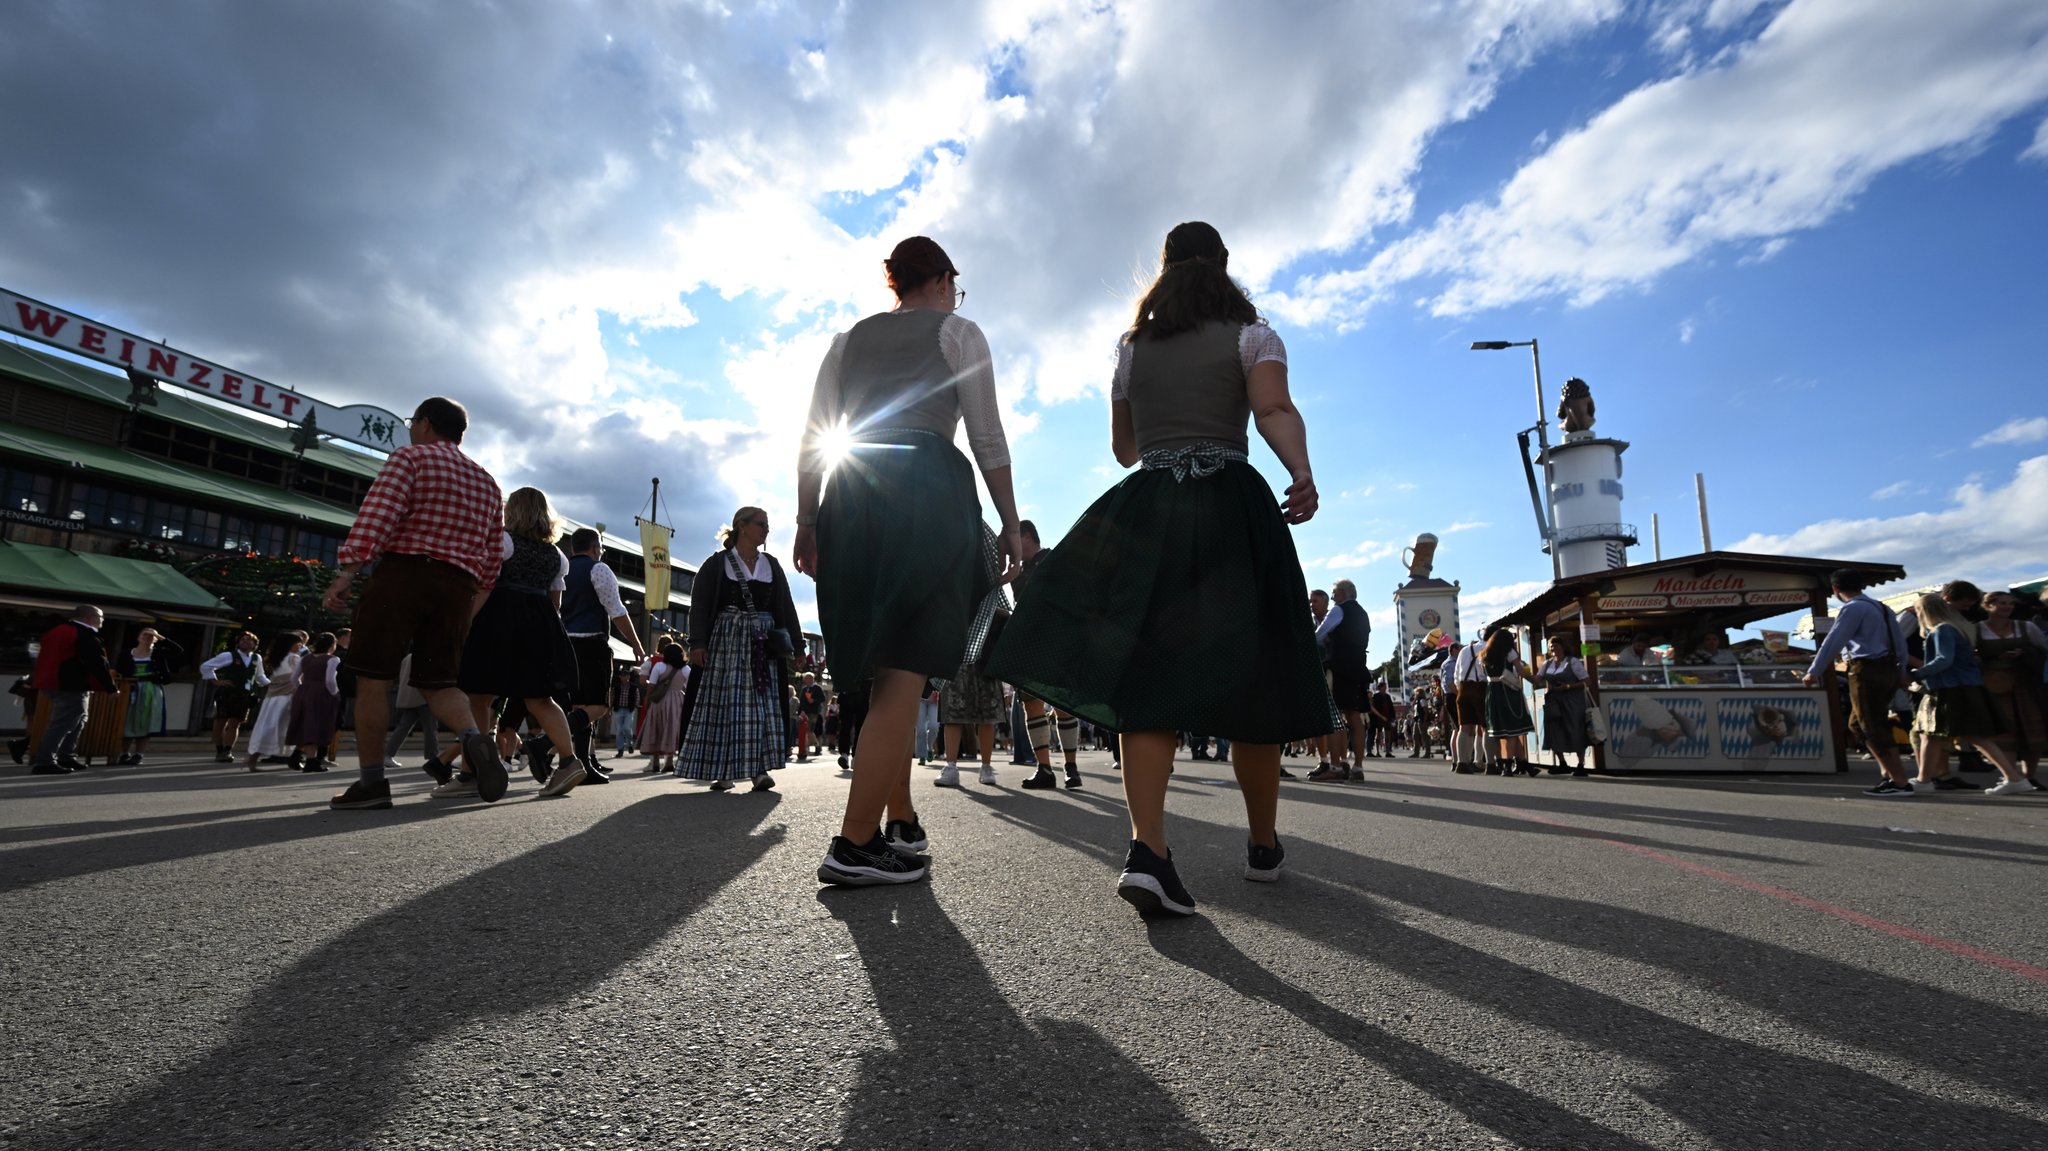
{"x": 2017, "y": 967}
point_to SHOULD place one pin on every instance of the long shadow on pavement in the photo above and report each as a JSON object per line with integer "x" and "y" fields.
{"x": 968, "y": 1070}
{"x": 37, "y": 832}
{"x": 352, "y": 1015}
{"x": 1753, "y": 826}
{"x": 1741, "y": 1094}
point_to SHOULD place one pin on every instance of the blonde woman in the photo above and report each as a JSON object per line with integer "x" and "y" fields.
{"x": 517, "y": 646}
{"x": 1956, "y": 706}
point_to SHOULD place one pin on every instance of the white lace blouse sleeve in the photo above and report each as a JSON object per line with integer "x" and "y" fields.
{"x": 1257, "y": 343}
{"x": 974, "y": 375}
{"x": 561, "y": 577}
{"x": 1120, "y": 380}
{"x": 824, "y": 409}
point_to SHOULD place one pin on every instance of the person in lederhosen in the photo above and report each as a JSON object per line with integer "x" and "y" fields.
{"x": 895, "y": 541}
{"x": 1186, "y": 567}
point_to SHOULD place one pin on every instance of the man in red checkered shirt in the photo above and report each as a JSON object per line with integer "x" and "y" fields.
{"x": 429, "y": 534}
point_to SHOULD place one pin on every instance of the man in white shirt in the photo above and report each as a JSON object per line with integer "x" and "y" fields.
{"x": 236, "y": 674}
{"x": 591, "y": 607}
{"x": 1469, "y": 676}
{"x": 1639, "y": 654}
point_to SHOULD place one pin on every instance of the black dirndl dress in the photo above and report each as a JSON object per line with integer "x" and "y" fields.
{"x": 1175, "y": 603}
{"x": 517, "y": 646}
{"x": 904, "y": 574}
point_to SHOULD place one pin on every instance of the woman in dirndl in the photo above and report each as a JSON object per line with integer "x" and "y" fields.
{"x": 266, "y": 735}
{"x": 517, "y": 647}
{"x": 147, "y": 670}
{"x": 1186, "y": 567}
{"x": 661, "y": 713}
{"x": 905, "y": 567}
{"x": 2012, "y": 652}
{"x": 1956, "y": 707}
{"x": 739, "y": 725}
{"x": 1566, "y": 730}
{"x": 1508, "y": 723}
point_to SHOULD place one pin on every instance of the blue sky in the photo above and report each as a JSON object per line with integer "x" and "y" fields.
{"x": 1794, "y": 246}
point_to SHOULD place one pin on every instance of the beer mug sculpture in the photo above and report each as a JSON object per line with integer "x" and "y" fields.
{"x": 1420, "y": 558}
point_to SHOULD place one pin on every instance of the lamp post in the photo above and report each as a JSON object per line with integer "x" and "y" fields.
{"x": 1542, "y": 441}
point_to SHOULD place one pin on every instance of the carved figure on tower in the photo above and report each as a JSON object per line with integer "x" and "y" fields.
{"x": 1575, "y": 406}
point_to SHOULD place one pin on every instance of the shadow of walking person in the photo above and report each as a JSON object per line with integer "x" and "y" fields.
{"x": 326, "y": 1053}
{"x": 968, "y": 1071}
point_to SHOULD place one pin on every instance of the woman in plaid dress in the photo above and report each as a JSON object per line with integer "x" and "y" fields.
{"x": 738, "y": 729}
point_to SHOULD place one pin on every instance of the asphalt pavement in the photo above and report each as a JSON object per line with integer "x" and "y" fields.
{"x": 201, "y": 957}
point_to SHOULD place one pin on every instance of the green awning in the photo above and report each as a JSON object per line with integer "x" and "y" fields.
{"x": 85, "y": 577}
{"x": 174, "y": 404}
{"x": 104, "y": 461}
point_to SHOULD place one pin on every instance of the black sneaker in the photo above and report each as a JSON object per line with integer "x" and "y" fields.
{"x": 1041, "y": 780}
{"x": 596, "y": 773}
{"x": 1073, "y": 777}
{"x": 49, "y": 769}
{"x": 539, "y": 753}
{"x": 1891, "y": 789}
{"x": 1326, "y": 774}
{"x": 363, "y": 795}
{"x": 875, "y": 862}
{"x": 1151, "y": 884}
{"x": 441, "y": 772}
{"x": 1286, "y": 774}
{"x": 480, "y": 755}
{"x": 906, "y": 836}
{"x": 18, "y": 749}
{"x": 71, "y": 763}
{"x": 1262, "y": 864}
{"x": 1951, "y": 783}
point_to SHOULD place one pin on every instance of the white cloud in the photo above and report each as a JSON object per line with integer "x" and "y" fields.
{"x": 1367, "y": 552}
{"x": 1893, "y": 491}
{"x": 2038, "y": 150}
{"x": 1710, "y": 158}
{"x": 1467, "y": 526}
{"x": 2017, "y": 430}
{"x": 1480, "y": 607}
{"x": 1685, "y": 331}
{"x": 1997, "y": 531}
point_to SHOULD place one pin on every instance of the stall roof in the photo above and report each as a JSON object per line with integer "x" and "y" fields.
{"x": 175, "y": 405}
{"x": 1569, "y": 591}
{"x": 75, "y": 577}
{"x": 91, "y": 459}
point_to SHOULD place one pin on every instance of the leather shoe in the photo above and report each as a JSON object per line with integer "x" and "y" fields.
{"x": 49, "y": 769}
{"x": 70, "y": 764}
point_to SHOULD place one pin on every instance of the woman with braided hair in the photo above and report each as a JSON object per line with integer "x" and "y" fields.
{"x": 1184, "y": 567}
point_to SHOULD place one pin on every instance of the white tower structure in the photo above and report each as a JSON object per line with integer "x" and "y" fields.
{"x": 1424, "y": 604}
{"x": 1585, "y": 500}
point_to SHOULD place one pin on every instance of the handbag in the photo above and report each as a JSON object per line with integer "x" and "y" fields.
{"x": 1596, "y": 723}
{"x": 777, "y": 641}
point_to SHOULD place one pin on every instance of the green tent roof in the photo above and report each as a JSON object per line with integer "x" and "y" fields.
{"x": 175, "y": 405}
{"x": 90, "y": 459}
{"x": 86, "y": 576}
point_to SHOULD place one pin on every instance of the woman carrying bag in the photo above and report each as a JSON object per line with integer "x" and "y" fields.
{"x": 744, "y": 632}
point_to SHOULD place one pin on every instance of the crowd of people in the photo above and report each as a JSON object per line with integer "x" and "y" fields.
{"x": 951, "y": 637}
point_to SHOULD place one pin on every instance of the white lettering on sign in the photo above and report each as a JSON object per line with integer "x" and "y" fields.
{"x": 1707, "y": 599}
{"x": 371, "y": 427}
{"x": 1633, "y": 602}
{"x": 1778, "y": 598}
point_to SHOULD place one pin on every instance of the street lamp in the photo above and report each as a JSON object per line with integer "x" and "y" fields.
{"x": 1549, "y": 509}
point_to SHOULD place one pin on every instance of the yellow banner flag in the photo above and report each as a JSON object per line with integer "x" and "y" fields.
{"x": 654, "y": 539}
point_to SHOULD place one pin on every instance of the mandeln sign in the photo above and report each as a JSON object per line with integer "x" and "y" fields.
{"x": 362, "y": 424}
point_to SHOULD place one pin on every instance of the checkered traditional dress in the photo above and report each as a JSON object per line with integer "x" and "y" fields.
{"x": 737, "y": 730}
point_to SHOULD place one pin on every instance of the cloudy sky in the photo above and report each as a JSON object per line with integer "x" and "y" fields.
{"x": 1798, "y": 246}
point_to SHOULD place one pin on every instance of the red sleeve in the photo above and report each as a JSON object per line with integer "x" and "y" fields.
{"x": 384, "y": 507}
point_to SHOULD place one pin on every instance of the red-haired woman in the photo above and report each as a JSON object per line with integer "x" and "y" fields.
{"x": 896, "y": 541}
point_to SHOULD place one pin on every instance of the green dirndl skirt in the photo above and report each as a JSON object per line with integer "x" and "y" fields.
{"x": 903, "y": 564}
{"x": 1175, "y": 603}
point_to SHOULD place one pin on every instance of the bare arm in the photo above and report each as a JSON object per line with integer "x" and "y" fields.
{"x": 1281, "y": 426}
{"x": 1123, "y": 440}
{"x": 1012, "y": 543}
{"x": 804, "y": 552}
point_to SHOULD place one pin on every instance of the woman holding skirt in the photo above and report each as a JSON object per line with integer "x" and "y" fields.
{"x": 739, "y": 715}
{"x": 266, "y": 735}
{"x": 1566, "y": 730}
{"x": 1185, "y": 567}
{"x": 1508, "y": 723}
{"x": 896, "y": 542}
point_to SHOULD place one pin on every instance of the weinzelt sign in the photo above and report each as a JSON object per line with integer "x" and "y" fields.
{"x": 362, "y": 424}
